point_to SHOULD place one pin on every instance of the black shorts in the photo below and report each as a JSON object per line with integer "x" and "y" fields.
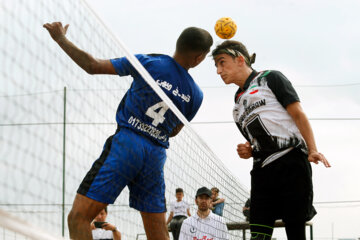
{"x": 282, "y": 190}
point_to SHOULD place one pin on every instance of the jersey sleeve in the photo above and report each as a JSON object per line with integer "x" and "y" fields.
{"x": 282, "y": 88}
{"x": 124, "y": 68}
{"x": 196, "y": 105}
{"x": 187, "y": 206}
{"x": 224, "y": 233}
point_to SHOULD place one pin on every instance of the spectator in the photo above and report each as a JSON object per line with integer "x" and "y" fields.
{"x": 217, "y": 203}
{"x": 246, "y": 210}
{"x": 204, "y": 224}
{"x": 102, "y": 230}
{"x": 178, "y": 211}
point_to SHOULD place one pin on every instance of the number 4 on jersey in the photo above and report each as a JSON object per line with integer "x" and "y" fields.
{"x": 158, "y": 116}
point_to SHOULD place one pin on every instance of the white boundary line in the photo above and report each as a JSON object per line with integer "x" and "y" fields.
{"x": 18, "y": 225}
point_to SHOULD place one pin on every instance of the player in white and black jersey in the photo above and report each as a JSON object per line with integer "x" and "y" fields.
{"x": 280, "y": 139}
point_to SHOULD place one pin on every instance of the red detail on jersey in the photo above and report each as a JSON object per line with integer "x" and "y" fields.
{"x": 203, "y": 238}
{"x": 253, "y": 92}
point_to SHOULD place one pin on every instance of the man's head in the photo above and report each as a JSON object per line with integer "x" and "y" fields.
{"x": 192, "y": 46}
{"x": 215, "y": 192}
{"x": 101, "y": 217}
{"x": 234, "y": 49}
{"x": 179, "y": 194}
{"x": 203, "y": 198}
{"x": 231, "y": 60}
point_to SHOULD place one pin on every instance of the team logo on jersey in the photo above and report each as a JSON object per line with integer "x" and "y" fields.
{"x": 192, "y": 229}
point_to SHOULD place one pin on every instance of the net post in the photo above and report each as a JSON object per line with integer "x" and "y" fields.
{"x": 63, "y": 172}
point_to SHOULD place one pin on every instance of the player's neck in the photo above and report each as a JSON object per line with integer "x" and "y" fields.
{"x": 243, "y": 76}
{"x": 182, "y": 61}
{"x": 203, "y": 214}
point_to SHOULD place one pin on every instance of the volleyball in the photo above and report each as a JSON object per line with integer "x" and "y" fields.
{"x": 225, "y": 28}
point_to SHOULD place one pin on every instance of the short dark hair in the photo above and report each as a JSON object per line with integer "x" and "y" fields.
{"x": 234, "y": 49}
{"x": 194, "y": 39}
{"x": 179, "y": 190}
{"x": 105, "y": 210}
{"x": 215, "y": 189}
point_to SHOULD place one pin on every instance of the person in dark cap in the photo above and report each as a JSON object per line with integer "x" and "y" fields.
{"x": 204, "y": 224}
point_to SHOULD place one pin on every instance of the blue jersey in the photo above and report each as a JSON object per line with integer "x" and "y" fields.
{"x": 142, "y": 110}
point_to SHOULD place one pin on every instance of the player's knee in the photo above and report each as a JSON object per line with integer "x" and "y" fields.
{"x": 260, "y": 236}
{"x": 75, "y": 218}
{"x": 261, "y": 231}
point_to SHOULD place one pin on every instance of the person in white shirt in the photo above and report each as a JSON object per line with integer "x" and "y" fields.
{"x": 204, "y": 225}
{"x": 178, "y": 211}
{"x": 102, "y": 230}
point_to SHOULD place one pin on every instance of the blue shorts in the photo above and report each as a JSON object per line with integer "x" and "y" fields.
{"x": 128, "y": 159}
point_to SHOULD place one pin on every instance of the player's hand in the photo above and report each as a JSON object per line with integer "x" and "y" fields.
{"x": 317, "y": 157}
{"x": 108, "y": 226}
{"x": 244, "y": 150}
{"x": 56, "y": 30}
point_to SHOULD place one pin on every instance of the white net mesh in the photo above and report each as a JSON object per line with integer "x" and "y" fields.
{"x": 49, "y": 135}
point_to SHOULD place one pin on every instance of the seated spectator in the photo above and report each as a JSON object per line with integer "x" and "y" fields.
{"x": 102, "y": 230}
{"x": 178, "y": 211}
{"x": 204, "y": 224}
{"x": 217, "y": 203}
{"x": 246, "y": 210}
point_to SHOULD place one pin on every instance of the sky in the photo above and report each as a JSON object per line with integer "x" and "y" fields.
{"x": 314, "y": 43}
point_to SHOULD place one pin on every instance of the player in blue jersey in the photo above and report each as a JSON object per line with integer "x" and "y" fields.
{"x": 135, "y": 155}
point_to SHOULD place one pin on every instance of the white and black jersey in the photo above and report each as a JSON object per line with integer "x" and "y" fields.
{"x": 260, "y": 114}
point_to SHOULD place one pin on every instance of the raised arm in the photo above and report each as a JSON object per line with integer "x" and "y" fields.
{"x": 87, "y": 62}
{"x": 296, "y": 112}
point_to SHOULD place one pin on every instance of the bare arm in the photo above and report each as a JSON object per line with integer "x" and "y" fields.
{"x": 170, "y": 218}
{"x": 188, "y": 212}
{"x": 87, "y": 62}
{"x": 111, "y": 227}
{"x": 220, "y": 200}
{"x": 296, "y": 112}
{"x": 176, "y": 130}
{"x": 116, "y": 235}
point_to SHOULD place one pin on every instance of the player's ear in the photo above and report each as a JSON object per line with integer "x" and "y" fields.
{"x": 241, "y": 60}
{"x": 198, "y": 58}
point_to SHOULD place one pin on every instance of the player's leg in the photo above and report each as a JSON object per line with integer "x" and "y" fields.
{"x": 116, "y": 166}
{"x": 147, "y": 191}
{"x": 263, "y": 204}
{"x": 155, "y": 226}
{"x": 261, "y": 231}
{"x": 83, "y": 211}
{"x": 295, "y": 230}
{"x": 298, "y": 197}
